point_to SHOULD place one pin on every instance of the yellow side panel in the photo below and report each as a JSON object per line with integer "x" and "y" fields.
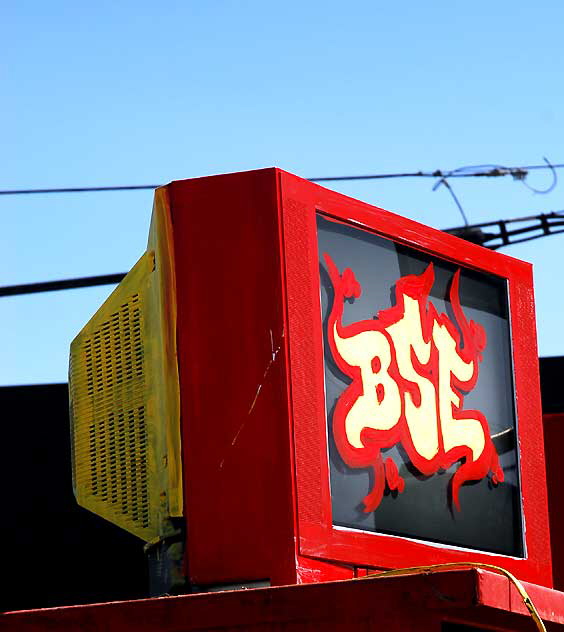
{"x": 164, "y": 325}
{"x": 123, "y": 381}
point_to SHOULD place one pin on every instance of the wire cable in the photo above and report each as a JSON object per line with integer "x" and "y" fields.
{"x": 63, "y": 284}
{"x": 543, "y": 225}
{"x": 551, "y": 187}
{"x": 446, "y": 184}
{"x": 477, "y": 171}
{"x": 427, "y": 570}
{"x": 537, "y": 226}
{"x": 134, "y": 187}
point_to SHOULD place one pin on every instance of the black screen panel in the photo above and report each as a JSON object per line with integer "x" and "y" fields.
{"x": 489, "y": 517}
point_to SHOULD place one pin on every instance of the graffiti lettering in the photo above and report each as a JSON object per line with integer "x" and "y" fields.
{"x": 409, "y": 370}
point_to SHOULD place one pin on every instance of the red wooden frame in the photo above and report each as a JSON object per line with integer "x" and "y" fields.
{"x": 318, "y": 538}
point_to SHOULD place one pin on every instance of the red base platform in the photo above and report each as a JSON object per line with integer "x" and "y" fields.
{"x": 461, "y": 600}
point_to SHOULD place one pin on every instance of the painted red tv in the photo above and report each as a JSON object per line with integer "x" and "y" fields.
{"x": 357, "y": 391}
{"x": 366, "y": 389}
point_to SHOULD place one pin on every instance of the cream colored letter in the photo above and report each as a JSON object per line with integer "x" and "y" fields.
{"x": 421, "y": 420}
{"x": 367, "y": 411}
{"x": 456, "y": 432}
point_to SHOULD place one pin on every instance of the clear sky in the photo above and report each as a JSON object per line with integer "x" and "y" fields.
{"x": 113, "y": 93}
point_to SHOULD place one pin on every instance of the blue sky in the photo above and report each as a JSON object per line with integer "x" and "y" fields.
{"x": 134, "y": 92}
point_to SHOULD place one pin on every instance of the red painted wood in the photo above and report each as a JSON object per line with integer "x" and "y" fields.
{"x": 553, "y": 442}
{"x": 499, "y": 592}
{"x": 398, "y": 604}
{"x": 418, "y": 602}
{"x": 233, "y": 379}
{"x": 311, "y": 571}
{"x": 300, "y": 200}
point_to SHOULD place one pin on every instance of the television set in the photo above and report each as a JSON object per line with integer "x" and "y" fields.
{"x": 300, "y": 387}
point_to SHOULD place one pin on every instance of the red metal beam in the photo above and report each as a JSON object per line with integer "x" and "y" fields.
{"x": 422, "y": 602}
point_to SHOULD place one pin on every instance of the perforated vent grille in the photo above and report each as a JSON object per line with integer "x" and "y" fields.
{"x": 109, "y": 395}
{"x": 118, "y": 467}
{"x": 114, "y": 354}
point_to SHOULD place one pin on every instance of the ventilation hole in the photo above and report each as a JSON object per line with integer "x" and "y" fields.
{"x": 114, "y": 372}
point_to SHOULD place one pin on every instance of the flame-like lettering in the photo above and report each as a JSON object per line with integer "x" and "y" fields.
{"x": 409, "y": 368}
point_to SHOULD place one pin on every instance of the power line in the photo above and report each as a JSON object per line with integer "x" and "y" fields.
{"x": 63, "y": 284}
{"x": 475, "y": 171}
{"x": 135, "y": 187}
{"x": 536, "y": 226}
{"x": 543, "y": 224}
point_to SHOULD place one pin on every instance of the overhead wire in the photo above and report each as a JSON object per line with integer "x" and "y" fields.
{"x": 477, "y": 171}
{"x": 471, "y": 232}
{"x": 62, "y": 284}
{"x": 444, "y": 181}
{"x": 542, "y": 225}
{"x": 551, "y": 187}
{"x": 518, "y": 173}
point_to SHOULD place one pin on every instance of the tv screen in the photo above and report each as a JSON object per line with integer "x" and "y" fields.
{"x": 411, "y": 453}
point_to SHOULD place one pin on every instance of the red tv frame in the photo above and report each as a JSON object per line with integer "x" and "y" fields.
{"x": 304, "y": 456}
